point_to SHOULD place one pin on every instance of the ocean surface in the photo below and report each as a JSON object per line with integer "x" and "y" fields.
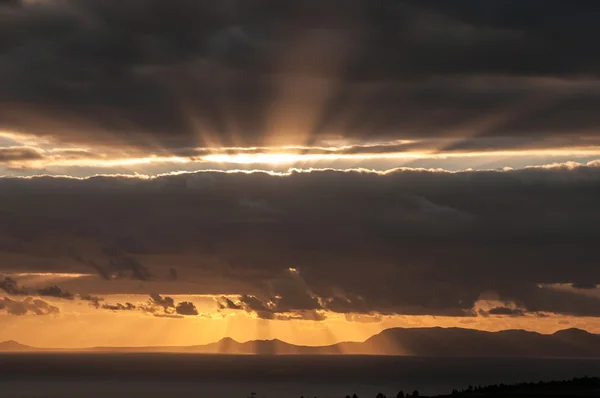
{"x": 223, "y": 376}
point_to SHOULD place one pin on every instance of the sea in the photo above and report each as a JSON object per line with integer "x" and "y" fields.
{"x": 108, "y": 375}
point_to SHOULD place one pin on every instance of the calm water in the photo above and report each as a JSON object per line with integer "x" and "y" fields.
{"x": 183, "y": 375}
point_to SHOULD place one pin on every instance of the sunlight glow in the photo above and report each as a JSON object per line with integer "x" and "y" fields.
{"x": 48, "y": 274}
{"x": 32, "y": 152}
{"x": 279, "y": 158}
{"x": 282, "y": 158}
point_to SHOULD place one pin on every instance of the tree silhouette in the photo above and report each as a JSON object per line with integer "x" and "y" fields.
{"x": 415, "y": 393}
{"x": 400, "y": 394}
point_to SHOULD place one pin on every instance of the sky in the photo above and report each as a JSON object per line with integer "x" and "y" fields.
{"x": 175, "y": 172}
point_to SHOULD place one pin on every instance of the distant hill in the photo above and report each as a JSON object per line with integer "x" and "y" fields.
{"x": 13, "y": 346}
{"x": 456, "y": 342}
{"x": 434, "y": 342}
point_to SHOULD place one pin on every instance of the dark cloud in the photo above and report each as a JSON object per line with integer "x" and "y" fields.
{"x": 546, "y": 299}
{"x": 361, "y": 318}
{"x": 159, "y": 306}
{"x": 412, "y": 242}
{"x": 119, "y": 307}
{"x": 285, "y": 296}
{"x": 227, "y": 303}
{"x": 29, "y": 305}
{"x": 165, "y": 302}
{"x": 190, "y": 74}
{"x": 127, "y": 265}
{"x": 186, "y": 308}
{"x": 170, "y": 316}
{"x": 254, "y": 304}
{"x": 507, "y": 311}
{"x": 272, "y": 309}
{"x": 114, "y": 265}
{"x": 10, "y": 286}
{"x": 302, "y": 315}
{"x": 94, "y": 300}
{"x": 584, "y": 285}
{"x": 17, "y": 154}
{"x": 55, "y": 291}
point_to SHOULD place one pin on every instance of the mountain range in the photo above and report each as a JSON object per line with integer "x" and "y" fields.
{"x": 434, "y": 342}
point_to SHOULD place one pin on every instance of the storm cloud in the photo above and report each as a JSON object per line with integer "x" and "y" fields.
{"x": 170, "y": 77}
{"x": 412, "y": 242}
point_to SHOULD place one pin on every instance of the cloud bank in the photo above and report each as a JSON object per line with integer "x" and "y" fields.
{"x": 412, "y": 242}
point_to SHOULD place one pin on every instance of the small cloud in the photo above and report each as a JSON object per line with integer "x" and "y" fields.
{"x": 165, "y": 302}
{"x": 10, "y": 286}
{"x": 302, "y": 316}
{"x": 94, "y": 300}
{"x": 27, "y": 306}
{"x": 362, "y": 318}
{"x": 227, "y": 303}
{"x": 55, "y": 291}
{"x": 159, "y": 306}
{"x": 172, "y": 316}
{"x": 186, "y": 308}
{"x": 119, "y": 307}
{"x": 507, "y": 311}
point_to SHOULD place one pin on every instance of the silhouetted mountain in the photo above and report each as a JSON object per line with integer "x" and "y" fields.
{"x": 433, "y": 342}
{"x": 467, "y": 342}
{"x": 13, "y": 346}
{"x": 453, "y": 342}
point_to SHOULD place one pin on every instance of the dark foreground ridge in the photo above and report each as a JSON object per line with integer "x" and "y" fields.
{"x": 577, "y": 387}
{"x": 422, "y": 342}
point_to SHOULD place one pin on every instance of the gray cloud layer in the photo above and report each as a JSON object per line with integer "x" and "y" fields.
{"x": 184, "y": 74}
{"x": 403, "y": 242}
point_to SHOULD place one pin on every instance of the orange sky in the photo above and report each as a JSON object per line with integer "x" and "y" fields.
{"x": 79, "y": 325}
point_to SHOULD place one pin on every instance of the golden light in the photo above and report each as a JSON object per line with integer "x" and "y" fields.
{"x": 290, "y": 158}
{"x": 281, "y": 158}
{"x": 50, "y": 275}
